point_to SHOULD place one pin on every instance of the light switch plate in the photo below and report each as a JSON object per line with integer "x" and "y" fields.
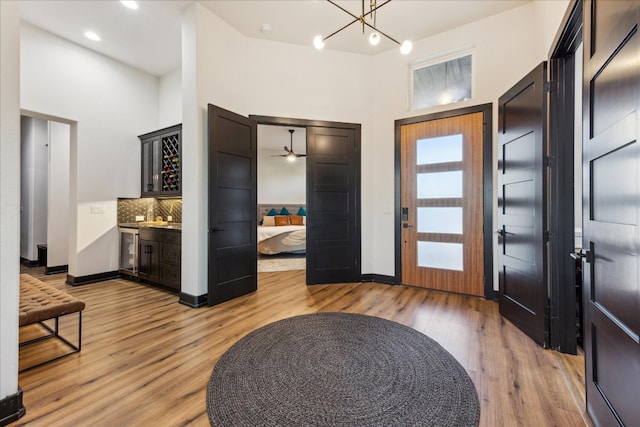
{"x": 139, "y": 217}
{"x": 97, "y": 209}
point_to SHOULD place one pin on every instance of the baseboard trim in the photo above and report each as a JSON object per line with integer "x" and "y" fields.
{"x": 492, "y": 296}
{"x": 379, "y": 278}
{"x": 56, "y": 269}
{"x": 91, "y": 278}
{"x": 11, "y": 408}
{"x": 28, "y": 262}
{"x": 193, "y": 301}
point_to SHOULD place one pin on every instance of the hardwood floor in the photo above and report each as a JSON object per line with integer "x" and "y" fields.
{"x": 146, "y": 359}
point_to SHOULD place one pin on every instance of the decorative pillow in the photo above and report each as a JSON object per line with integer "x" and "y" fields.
{"x": 272, "y": 212}
{"x": 268, "y": 221}
{"x": 302, "y": 211}
{"x": 284, "y": 211}
{"x": 296, "y": 220}
{"x": 281, "y": 220}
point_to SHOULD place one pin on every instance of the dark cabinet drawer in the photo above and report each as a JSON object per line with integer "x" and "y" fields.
{"x": 160, "y": 235}
{"x": 170, "y": 276}
{"x": 170, "y": 254}
{"x": 160, "y": 256}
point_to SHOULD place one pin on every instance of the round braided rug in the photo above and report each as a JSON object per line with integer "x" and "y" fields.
{"x": 339, "y": 369}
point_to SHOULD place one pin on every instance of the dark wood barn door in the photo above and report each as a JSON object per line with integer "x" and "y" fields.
{"x": 232, "y": 205}
{"x": 333, "y": 200}
{"x": 611, "y": 218}
{"x": 522, "y": 205}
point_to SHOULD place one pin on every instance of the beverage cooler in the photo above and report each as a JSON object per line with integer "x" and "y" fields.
{"x": 129, "y": 251}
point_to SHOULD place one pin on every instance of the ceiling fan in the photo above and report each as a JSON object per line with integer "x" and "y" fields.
{"x": 290, "y": 153}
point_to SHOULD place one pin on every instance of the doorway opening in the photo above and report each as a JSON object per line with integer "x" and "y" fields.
{"x": 332, "y": 204}
{"x": 44, "y": 192}
{"x": 282, "y": 198}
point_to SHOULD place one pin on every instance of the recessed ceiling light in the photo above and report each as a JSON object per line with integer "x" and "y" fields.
{"x": 265, "y": 28}
{"x": 92, "y": 36}
{"x": 130, "y": 4}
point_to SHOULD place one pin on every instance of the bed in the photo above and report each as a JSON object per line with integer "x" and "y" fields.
{"x": 283, "y": 232}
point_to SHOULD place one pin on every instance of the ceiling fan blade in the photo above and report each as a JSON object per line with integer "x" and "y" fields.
{"x": 287, "y": 150}
{"x": 279, "y": 155}
{"x": 301, "y": 155}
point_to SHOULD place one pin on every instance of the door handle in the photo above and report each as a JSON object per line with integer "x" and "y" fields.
{"x": 581, "y": 254}
{"x": 216, "y": 229}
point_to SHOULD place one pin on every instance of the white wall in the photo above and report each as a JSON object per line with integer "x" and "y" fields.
{"x": 112, "y": 103}
{"x": 58, "y": 203}
{"x": 280, "y": 181}
{"x": 505, "y": 48}
{"x": 301, "y": 82}
{"x": 9, "y": 195}
{"x": 249, "y": 76}
{"x": 34, "y": 159}
{"x": 170, "y": 99}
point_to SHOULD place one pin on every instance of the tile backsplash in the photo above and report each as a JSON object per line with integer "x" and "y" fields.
{"x": 129, "y": 208}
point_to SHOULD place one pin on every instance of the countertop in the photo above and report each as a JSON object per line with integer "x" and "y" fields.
{"x": 161, "y": 225}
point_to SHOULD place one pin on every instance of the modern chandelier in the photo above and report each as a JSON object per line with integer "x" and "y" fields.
{"x": 374, "y": 38}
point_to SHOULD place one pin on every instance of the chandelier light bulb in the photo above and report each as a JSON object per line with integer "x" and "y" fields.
{"x": 406, "y": 47}
{"x": 374, "y": 39}
{"x": 318, "y": 43}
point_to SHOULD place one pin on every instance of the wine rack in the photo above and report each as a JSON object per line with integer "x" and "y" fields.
{"x": 161, "y": 162}
{"x": 171, "y": 163}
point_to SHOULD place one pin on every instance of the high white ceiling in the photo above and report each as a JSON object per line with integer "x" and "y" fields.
{"x": 149, "y": 38}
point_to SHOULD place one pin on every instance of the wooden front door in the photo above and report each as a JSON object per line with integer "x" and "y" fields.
{"x": 522, "y": 205}
{"x": 333, "y": 204}
{"x": 233, "y": 205}
{"x": 611, "y": 216}
{"x": 442, "y": 204}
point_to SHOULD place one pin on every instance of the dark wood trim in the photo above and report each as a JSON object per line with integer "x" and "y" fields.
{"x": 487, "y": 186}
{"x": 11, "y": 408}
{"x": 284, "y": 121}
{"x": 56, "y": 269}
{"x": 487, "y": 162}
{"x": 28, "y": 263}
{"x": 378, "y": 278}
{"x": 562, "y": 269}
{"x": 91, "y": 278}
{"x": 569, "y": 35}
{"x": 193, "y": 301}
{"x": 161, "y": 131}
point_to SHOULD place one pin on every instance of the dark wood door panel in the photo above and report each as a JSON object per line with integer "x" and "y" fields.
{"x": 611, "y": 164}
{"x": 613, "y": 96}
{"x": 232, "y": 205}
{"x": 618, "y": 17}
{"x": 515, "y": 290}
{"x": 614, "y": 278}
{"x": 616, "y": 184}
{"x": 332, "y": 199}
{"x": 523, "y": 205}
{"x": 614, "y": 370}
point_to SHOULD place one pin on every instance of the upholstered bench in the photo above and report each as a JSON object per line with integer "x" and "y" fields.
{"x": 39, "y": 302}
